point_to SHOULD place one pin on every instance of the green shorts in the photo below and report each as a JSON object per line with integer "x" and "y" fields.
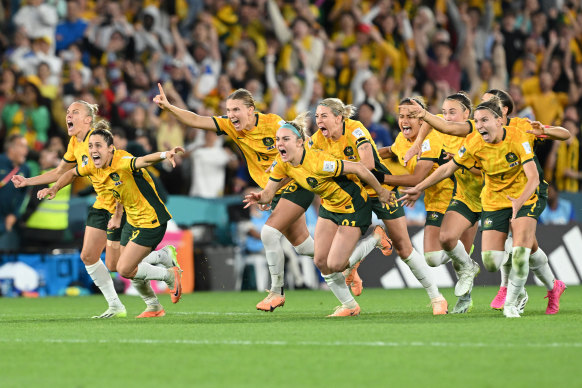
{"x": 460, "y": 207}
{"x": 295, "y": 194}
{"x": 499, "y": 219}
{"x": 146, "y": 237}
{"x": 99, "y": 218}
{"x": 361, "y": 218}
{"x": 385, "y": 212}
{"x": 434, "y": 219}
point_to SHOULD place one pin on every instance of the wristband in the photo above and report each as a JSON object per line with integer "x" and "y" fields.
{"x": 378, "y": 175}
{"x": 163, "y": 155}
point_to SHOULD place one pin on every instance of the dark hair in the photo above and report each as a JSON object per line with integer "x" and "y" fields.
{"x": 493, "y": 105}
{"x": 102, "y": 129}
{"x": 408, "y": 101}
{"x": 505, "y": 98}
{"x": 463, "y": 99}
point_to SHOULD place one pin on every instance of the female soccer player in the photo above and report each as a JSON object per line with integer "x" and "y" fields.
{"x": 345, "y": 212}
{"x": 348, "y": 139}
{"x": 125, "y": 177}
{"x": 534, "y": 131}
{"x": 504, "y": 155}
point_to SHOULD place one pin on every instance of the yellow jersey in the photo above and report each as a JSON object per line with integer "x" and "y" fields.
{"x": 321, "y": 173}
{"x": 502, "y": 164}
{"x": 257, "y": 145}
{"x": 467, "y": 184}
{"x": 78, "y": 152}
{"x": 131, "y": 186}
{"x": 436, "y": 197}
{"x": 567, "y": 158}
{"x": 346, "y": 147}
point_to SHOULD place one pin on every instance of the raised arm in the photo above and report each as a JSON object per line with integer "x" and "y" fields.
{"x": 156, "y": 157}
{"x": 549, "y": 131}
{"x": 186, "y": 117}
{"x": 460, "y": 129}
{"x": 420, "y": 172}
{"x": 63, "y": 181}
{"x": 43, "y": 179}
{"x": 413, "y": 193}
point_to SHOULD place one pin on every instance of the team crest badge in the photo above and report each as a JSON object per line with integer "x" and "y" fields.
{"x": 488, "y": 223}
{"x": 114, "y": 176}
{"x": 511, "y": 157}
{"x": 84, "y": 160}
{"x": 349, "y": 152}
{"x": 269, "y": 143}
{"x": 312, "y": 182}
{"x": 433, "y": 216}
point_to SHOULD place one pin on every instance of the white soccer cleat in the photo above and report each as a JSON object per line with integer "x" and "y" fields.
{"x": 113, "y": 312}
{"x": 522, "y": 301}
{"x": 466, "y": 278}
{"x": 510, "y": 311}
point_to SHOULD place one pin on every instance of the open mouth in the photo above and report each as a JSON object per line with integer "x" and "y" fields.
{"x": 324, "y": 131}
{"x": 406, "y": 130}
{"x": 96, "y": 158}
{"x": 283, "y": 152}
{"x": 235, "y": 122}
{"x": 69, "y": 124}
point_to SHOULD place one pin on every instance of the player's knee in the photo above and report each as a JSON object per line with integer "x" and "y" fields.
{"x": 125, "y": 270}
{"x": 270, "y": 236}
{"x": 492, "y": 260}
{"x": 448, "y": 241}
{"x": 336, "y": 267}
{"x": 87, "y": 258}
{"x": 434, "y": 259}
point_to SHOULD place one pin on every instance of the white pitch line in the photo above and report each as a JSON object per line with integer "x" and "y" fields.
{"x": 419, "y": 344}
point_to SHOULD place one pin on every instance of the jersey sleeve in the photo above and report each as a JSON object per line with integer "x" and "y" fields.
{"x": 330, "y": 166}
{"x": 222, "y": 125}
{"x": 69, "y": 156}
{"x": 85, "y": 170}
{"x": 358, "y": 136}
{"x": 463, "y": 158}
{"x": 278, "y": 172}
{"x": 127, "y": 163}
{"x": 431, "y": 149}
{"x": 524, "y": 150}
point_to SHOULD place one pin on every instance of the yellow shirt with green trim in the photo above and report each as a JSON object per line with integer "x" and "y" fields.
{"x": 131, "y": 186}
{"x": 467, "y": 184}
{"x": 78, "y": 152}
{"x": 502, "y": 165}
{"x": 257, "y": 145}
{"x": 436, "y": 197}
{"x": 321, "y": 173}
{"x": 346, "y": 147}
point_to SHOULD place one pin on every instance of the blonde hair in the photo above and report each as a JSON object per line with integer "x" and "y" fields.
{"x": 244, "y": 95}
{"x": 338, "y": 108}
{"x": 92, "y": 110}
{"x": 102, "y": 125}
{"x": 300, "y": 124}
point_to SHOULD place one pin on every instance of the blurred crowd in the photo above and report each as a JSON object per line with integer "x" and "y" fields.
{"x": 290, "y": 54}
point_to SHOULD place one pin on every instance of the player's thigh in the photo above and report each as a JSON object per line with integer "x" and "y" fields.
{"x": 398, "y": 233}
{"x": 431, "y": 238}
{"x": 132, "y": 255}
{"x": 325, "y": 231}
{"x": 493, "y": 240}
{"x": 93, "y": 244}
{"x": 342, "y": 246}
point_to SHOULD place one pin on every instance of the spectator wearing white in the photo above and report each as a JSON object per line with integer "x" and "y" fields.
{"x": 38, "y": 19}
{"x": 152, "y": 34}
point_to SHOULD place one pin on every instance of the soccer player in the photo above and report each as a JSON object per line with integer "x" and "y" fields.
{"x": 348, "y": 139}
{"x": 125, "y": 177}
{"x": 344, "y": 215}
{"x": 504, "y": 154}
{"x": 534, "y": 131}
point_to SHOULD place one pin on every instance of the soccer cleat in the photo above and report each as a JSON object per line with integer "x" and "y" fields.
{"x": 554, "y": 297}
{"x": 113, "y": 312}
{"x": 384, "y": 243}
{"x": 499, "y": 300}
{"x": 354, "y": 281}
{"x": 153, "y": 311}
{"x": 510, "y": 311}
{"x": 522, "y": 301}
{"x": 439, "y": 305}
{"x": 467, "y": 275}
{"x": 171, "y": 250}
{"x": 271, "y": 302}
{"x": 343, "y": 311}
{"x": 176, "y": 289}
{"x": 464, "y": 305}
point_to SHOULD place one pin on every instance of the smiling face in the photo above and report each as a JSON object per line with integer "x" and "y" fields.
{"x": 100, "y": 152}
{"x": 488, "y": 125}
{"x": 290, "y": 147}
{"x": 241, "y": 116}
{"x": 408, "y": 125}
{"x": 453, "y": 111}
{"x": 329, "y": 124}
{"x": 78, "y": 119}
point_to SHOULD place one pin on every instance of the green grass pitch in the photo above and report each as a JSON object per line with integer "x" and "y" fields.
{"x": 218, "y": 339}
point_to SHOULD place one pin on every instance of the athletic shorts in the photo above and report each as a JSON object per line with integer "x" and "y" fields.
{"x": 296, "y": 194}
{"x": 361, "y": 218}
{"x": 146, "y": 237}
{"x": 434, "y": 219}
{"x": 386, "y": 212}
{"x": 499, "y": 219}
{"x": 460, "y": 207}
{"x": 99, "y": 218}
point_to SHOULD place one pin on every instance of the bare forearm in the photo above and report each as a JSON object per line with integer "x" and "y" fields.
{"x": 449, "y": 127}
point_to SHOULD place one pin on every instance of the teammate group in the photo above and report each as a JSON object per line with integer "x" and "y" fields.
{"x": 452, "y": 158}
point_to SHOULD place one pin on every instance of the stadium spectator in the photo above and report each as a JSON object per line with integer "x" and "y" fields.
{"x": 559, "y": 211}
{"x": 72, "y": 29}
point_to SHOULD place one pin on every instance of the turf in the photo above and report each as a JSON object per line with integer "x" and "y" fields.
{"x": 218, "y": 339}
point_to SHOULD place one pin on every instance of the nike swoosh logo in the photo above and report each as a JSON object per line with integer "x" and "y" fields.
{"x": 393, "y": 211}
{"x": 240, "y": 138}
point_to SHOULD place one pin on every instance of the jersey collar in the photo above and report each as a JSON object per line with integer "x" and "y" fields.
{"x": 302, "y": 157}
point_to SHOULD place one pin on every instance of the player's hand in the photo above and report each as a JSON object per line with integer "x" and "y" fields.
{"x": 252, "y": 198}
{"x": 48, "y": 193}
{"x": 414, "y": 110}
{"x": 19, "y": 181}
{"x": 537, "y": 129}
{"x": 411, "y": 195}
{"x": 114, "y": 223}
{"x": 515, "y": 206}
{"x": 160, "y": 99}
{"x": 171, "y": 154}
{"x": 387, "y": 197}
{"x": 415, "y": 150}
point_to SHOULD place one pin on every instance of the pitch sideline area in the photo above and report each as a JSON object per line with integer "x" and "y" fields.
{"x": 218, "y": 339}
